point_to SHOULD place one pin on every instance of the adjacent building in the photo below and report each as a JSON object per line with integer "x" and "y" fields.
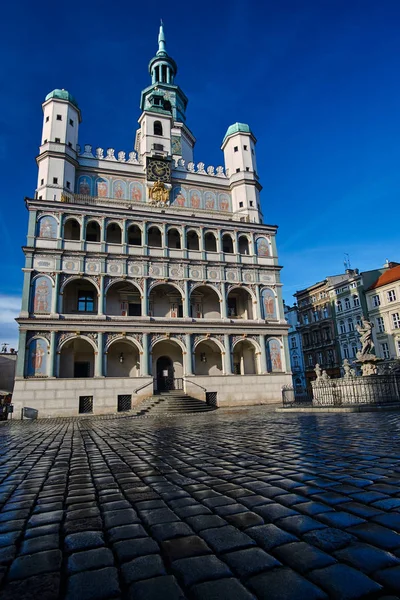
{"x": 383, "y": 301}
{"x": 295, "y": 346}
{"x": 145, "y": 271}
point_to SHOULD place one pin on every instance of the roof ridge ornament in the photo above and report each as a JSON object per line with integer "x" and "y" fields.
{"x": 161, "y": 41}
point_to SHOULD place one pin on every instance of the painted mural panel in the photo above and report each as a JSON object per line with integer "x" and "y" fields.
{"x": 179, "y": 196}
{"x": 274, "y": 356}
{"x": 210, "y": 201}
{"x": 224, "y": 202}
{"x": 268, "y": 304}
{"x": 102, "y": 187}
{"x": 47, "y": 227}
{"x": 119, "y": 189}
{"x": 262, "y": 246}
{"x": 176, "y": 144}
{"x": 136, "y": 191}
{"x": 195, "y": 199}
{"x": 37, "y": 358}
{"x": 41, "y": 295}
{"x": 85, "y": 185}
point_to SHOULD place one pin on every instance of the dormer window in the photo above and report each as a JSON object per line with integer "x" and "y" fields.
{"x": 157, "y": 101}
{"x": 157, "y": 128}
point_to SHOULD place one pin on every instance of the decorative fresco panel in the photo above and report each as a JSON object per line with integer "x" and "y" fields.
{"x": 119, "y": 190}
{"x": 136, "y": 192}
{"x": 262, "y": 246}
{"x": 201, "y": 198}
{"x": 176, "y": 144}
{"x": 274, "y": 356}
{"x": 102, "y": 188}
{"x": 47, "y": 227}
{"x": 109, "y": 187}
{"x": 41, "y": 295}
{"x": 85, "y": 185}
{"x": 37, "y": 358}
{"x": 268, "y": 304}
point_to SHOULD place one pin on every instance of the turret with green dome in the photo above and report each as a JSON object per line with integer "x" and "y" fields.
{"x": 62, "y": 95}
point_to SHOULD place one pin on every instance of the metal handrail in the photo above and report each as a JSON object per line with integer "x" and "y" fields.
{"x": 143, "y": 386}
{"x": 194, "y": 383}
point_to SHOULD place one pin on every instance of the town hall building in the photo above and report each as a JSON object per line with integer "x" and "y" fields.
{"x": 145, "y": 271}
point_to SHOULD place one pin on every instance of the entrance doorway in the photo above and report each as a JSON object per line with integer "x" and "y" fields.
{"x": 165, "y": 374}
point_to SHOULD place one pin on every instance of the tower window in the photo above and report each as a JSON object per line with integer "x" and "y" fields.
{"x": 59, "y": 117}
{"x": 158, "y": 130}
{"x": 236, "y": 149}
{"x": 157, "y": 101}
{"x": 68, "y": 185}
{"x": 55, "y": 180}
{"x": 57, "y": 140}
{"x": 238, "y": 170}
{"x": 70, "y": 144}
{"x": 71, "y": 122}
{"x": 44, "y": 141}
{"x": 244, "y": 147}
{"x": 251, "y": 202}
{"x": 47, "y": 119}
{"x": 42, "y": 182}
{"x": 240, "y": 204}
{"x": 247, "y": 168}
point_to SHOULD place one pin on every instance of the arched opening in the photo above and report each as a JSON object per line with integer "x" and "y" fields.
{"x": 192, "y": 240}
{"x": 154, "y": 238}
{"x": 210, "y": 242}
{"x": 80, "y": 296}
{"x": 123, "y": 359}
{"x": 72, "y": 230}
{"x": 157, "y": 128}
{"x": 92, "y": 231}
{"x": 167, "y": 365}
{"x": 227, "y": 244}
{"x": 208, "y": 359}
{"x": 204, "y": 303}
{"x": 243, "y": 245}
{"x": 113, "y": 233}
{"x": 134, "y": 235}
{"x": 123, "y": 299}
{"x": 77, "y": 359}
{"x": 165, "y": 301}
{"x": 240, "y": 304}
{"x": 173, "y": 239}
{"x": 244, "y": 359}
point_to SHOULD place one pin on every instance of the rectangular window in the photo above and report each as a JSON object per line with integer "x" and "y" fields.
{"x": 396, "y": 320}
{"x": 391, "y": 296}
{"x": 244, "y": 147}
{"x": 47, "y": 119}
{"x": 380, "y": 324}
{"x": 356, "y": 301}
{"x": 238, "y": 170}
{"x": 85, "y": 404}
{"x": 350, "y": 325}
{"x": 42, "y": 182}
{"x": 342, "y": 327}
{"x": 57, "y": 140}
{"x": 232, "y": 308}
{"x": 398, "y": 347}
{"x": 376, "y": 301}
{"x": 240, "y": 204}
{"x": 71, "y": 122}
{"x": 346, "y": 352}
{"x": 251, "y": 202}
{"x": 247, "y": 168}
{"x": 85, "y": 301}
{"x": 59, "y": 117}
{"x": 385, "y": 351}
{"x": 134, "y": 309}
{"x": 55, "y": 180}
{"x": 124, "y": 402}
{"x": 236, "y": 149}
{"x": 294, "y": 343}
{"x": 68, "y": 185}
{"x": 310, "y": 360}
{"x": 70, "y": 144}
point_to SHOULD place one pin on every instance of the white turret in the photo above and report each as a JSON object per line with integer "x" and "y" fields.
{"x": 241, "y": 168}
{"x": 57, "y": 158}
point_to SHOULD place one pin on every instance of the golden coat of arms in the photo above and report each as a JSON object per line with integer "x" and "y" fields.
{"x": 159, "y": 193}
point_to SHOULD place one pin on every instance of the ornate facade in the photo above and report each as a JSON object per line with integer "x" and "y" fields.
{"x": 145, "y": 266}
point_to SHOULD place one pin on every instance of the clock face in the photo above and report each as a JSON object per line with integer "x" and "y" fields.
{"x": 158, "y": 170}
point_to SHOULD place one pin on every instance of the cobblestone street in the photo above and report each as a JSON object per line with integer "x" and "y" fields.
{"x": 239, "y": 505}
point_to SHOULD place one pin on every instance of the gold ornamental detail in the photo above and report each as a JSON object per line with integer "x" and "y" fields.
{"x": 159, "y": 193}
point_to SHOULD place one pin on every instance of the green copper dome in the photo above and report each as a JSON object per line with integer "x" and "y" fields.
{"x": 62, "y": 95}
{"x": 236, "y": 128}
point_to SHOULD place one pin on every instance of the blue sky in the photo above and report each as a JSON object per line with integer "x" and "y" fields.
{"x": 317, "y": 80}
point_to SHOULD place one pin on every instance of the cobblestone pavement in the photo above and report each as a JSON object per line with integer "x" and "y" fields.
{"x": 239, "y": 505}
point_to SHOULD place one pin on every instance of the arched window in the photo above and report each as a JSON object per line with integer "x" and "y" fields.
{"x": 192, "y": 240}
{"x": 342, "y": 327}
{"x": 347, "y": 302}
{"x": 154, "y": 237}
{"x": 92, "y": 231}
{"x": 227, "y": 244}
{"x": 134, "y": 236}
{"x": 345, "y": 352}
{"x": 113, "y": 233}
{"x": 339, "y": 306}
{"x": 210, "y": 242}
{"x": 356, "y": 300}
{"x": 72, "y": 230}
{"x": 350, "y": 324}
{"x": 158, "y": 130}
{"x": 243, "y": 245}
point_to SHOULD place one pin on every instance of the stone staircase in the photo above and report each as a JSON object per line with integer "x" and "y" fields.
{"x": 170, "y": 403}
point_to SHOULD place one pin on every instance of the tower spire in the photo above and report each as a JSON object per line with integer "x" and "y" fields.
{"x": 161, "y": 41}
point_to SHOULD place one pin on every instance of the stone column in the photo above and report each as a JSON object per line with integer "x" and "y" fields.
{"x": 252, "y": 247}
{"x": 189, "y": 359}
{"x": 54, "y": 297}
{"x": 99, "y": 366}
{"x": 100, "y": 307}
{"x": 124, "y": 236}
{"x": 186, "y": 298}
{"x": 53, "y": 344}
{"x": 144, "y": 357}
{"x": 258, "y": 307}
{"x": 263, "y": 357}
{"x": 145, "y": 298}
{"x": 164, "y": 239}
{"x": 103, "y": 232}
{"x": 26, "y": 293}
{"x": 144, "y": 239}
{"x": 219, "y": 241}
{"x": 59, "y": 232}
{"x": 30, "y": 241}
{"x": 227, "y": 357}
{"x": 224, "y": 312}
{"x": 20, "y": 366}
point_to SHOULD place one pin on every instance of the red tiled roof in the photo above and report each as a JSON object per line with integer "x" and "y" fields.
{"x": 388, "y": 276}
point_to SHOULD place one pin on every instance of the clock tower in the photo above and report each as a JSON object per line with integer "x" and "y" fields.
{"x": 163, "y": 134}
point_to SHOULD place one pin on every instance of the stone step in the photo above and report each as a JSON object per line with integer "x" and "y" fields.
{"x": 173, "y": 402}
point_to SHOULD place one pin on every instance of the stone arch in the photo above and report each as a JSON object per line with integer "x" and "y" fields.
{"x": 113, "y": 232}
{"x": 123, "y": 297}
{"x": 76, "y": 277}
{"x": 77, "y": 357}
{"x": 165, "y": 300}
{"x": 93, "y": 230}
{"x": 210, "y": 241}
{"x": 248, "y": 339}
{"x": 241, "y": 303}
{"x": 169, "y": 339}
{"x": 72, "y": 228}
{"x": 77, "y": 337}
{"x": 80, "y": 295}
{"x": 244, "y": 244}
{"x": 123, "y": 357}
{"x": 208, "y": 357}
{"x": 246, "y": 357}
{"x": 228, "y": 242}
{"x": 167, "y": 363}
{"x": 122, "y": 338}
{"x": 193, "y": 239}
{"x": 158, "y": 282}
{"x": 174, "y": 235}
{"x": 122, "y": 280}
{"x": 205, "y": 302}
{"x": 209, "y": 285}
{"x": 154, "y": 236}
{"x": 211, "y": 339}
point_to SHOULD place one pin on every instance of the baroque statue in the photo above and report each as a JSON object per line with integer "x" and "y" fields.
{"x": 159, "y": 194}
{"x": 365, "y": 331}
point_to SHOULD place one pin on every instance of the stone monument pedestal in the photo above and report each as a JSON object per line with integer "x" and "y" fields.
{"x": 368, "y": 363}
